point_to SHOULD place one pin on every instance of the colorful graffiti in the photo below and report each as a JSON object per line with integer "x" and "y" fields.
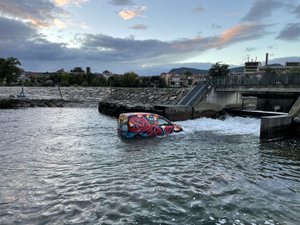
{"x": 145, "y": 125}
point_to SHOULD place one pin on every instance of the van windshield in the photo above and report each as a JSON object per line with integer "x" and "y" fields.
{"x": 162, "y": 121}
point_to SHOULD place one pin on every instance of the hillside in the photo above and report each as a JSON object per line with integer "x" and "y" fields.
{"x": 182, "y": 70}
{"x": 237, "y": 69}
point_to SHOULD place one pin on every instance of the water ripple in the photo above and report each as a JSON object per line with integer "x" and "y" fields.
{"x": 67, "y": 166}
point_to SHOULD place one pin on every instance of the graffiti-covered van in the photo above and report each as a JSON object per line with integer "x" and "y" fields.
{"x": 140, "y": 124}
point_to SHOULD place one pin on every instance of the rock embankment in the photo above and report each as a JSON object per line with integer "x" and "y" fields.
{"x": 148, "y": 96}
{"x": 87, "y": 96}
{"x": 25, "y": 102}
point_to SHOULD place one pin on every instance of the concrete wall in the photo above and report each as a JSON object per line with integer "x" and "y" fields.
{"x": 275, "y": 127}
{"x": 273, "y": 102}
{"x": 224, "y": 99}
{"x": 172, "y": 112}
{"x": 175, "y": 112}
{"x": 295, "y": 110}
{"x": 216, "y": 101}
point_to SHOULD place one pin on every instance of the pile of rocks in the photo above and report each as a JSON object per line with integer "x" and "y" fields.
{"x": 90, "y": 96}
{"x": 148, "y": 96}
{"x": 11, "y": 103}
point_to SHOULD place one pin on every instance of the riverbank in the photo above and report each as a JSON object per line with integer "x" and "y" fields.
{"x": 88, "y": 96}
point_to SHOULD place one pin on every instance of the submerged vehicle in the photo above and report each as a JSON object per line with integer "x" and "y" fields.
{"x": 141, "y": 124}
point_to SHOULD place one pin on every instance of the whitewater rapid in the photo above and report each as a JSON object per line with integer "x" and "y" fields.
{"x": 228, "y": 126}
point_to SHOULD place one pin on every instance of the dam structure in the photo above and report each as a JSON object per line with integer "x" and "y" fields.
{"x": 275, "y": 99}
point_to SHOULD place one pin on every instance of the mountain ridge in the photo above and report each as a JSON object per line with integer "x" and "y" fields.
{"x": 182, "y": 70}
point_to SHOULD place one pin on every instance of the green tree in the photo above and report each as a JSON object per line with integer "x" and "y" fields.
{"x": 153, "y": 81}
{"x": 295, "y": 70}
{"x": 2, "y": 66}
{"x": 77, "y": 70}
{"x": 56, "y": 78}
{"x": 9, "y": 69}
{"x": 188, "y": 73}
{"x": 65, "y": 79}
{"x": 98, "y": 81}
{"x": 270, "y": 71}
{"x": 130, "y": 79}
{"x": 219, "y": 70}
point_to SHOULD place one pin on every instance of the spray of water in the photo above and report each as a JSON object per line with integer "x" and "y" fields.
{"x": 230, "y": 125}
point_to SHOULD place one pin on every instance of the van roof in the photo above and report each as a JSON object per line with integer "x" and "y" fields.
{"x": 136, "y": 113}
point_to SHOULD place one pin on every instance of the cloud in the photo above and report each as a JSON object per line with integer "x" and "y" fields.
{"x": 59, "y": 23}
{"x": 38, "y": 13}
{"x": 109, "y": 48}
{"x": 121, "y": 2}
{"x": 291, "y": 32}
{"x": 297, "y": 11}
{"x": 199, "y": 10}
{"x": 262, "y": 9}
{"x": 128, "y": 14}
{"x": 21, "y": 40}
{"x": 250, "y": 49}
{"x": 186, "y": 45}
{"x": 41, "y": 14}
{"x": 241, "y": 32}
{"x": 67, "y": 2}
{"x": 12, "y": 30}
{"x": 139, "y": 27}
{"x": 215, "y": 26}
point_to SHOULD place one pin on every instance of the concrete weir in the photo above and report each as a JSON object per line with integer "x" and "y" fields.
{"x": 275, "y": 126}
{"x": 280, "y": 126}
{"x": 172, "y": 112}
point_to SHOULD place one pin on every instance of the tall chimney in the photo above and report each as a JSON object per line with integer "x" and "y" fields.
{"x": 267, "y": 59}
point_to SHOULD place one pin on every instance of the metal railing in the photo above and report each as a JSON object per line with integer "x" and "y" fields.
{"x": 193, "y": 95}
{"x": 256, "y": 80}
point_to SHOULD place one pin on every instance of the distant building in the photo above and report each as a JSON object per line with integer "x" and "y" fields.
{"x": 36, "y": 75}
{"x": 61, "y": 71}
{"x": 166, "y": 77}
{"x": 182, "y": 80}
{"x": 175, "y": 80}
{"x": 256, "y": 67}
{"x": 275, "y": 67}
{"x": 291, "y": 65}
{"x": 77, "y": 70}
{"x": 88, "y": 70}
{"x": 107, "y": 74}
{"x": 251, "y": 67}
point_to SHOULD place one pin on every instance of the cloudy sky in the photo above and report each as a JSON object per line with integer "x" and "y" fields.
{"x": 147, "y": 36}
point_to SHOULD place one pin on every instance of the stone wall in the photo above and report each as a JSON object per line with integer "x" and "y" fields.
{"x": 148, "y": 96}
{"x": 90, "y": 96}
{"x": 10, "y": 103}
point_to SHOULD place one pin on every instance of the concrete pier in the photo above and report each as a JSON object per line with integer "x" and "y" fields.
{"x": 172, "y": 112}
{"x": 273, "y": 127}
{"x": 175, "y": 112}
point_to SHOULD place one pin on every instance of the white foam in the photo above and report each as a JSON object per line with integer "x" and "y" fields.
{"x": 231, "y": 125}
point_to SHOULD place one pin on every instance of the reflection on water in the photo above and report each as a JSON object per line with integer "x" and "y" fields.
{"x": 68, "y": 166}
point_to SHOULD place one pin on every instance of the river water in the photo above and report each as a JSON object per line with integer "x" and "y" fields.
{"x": 68, "y": 166}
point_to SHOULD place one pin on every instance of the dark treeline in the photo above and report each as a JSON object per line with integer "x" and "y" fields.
{"x": 9, "y": 70}
{"x": 10, "y": 74}
{"x": 129, "y": 79}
